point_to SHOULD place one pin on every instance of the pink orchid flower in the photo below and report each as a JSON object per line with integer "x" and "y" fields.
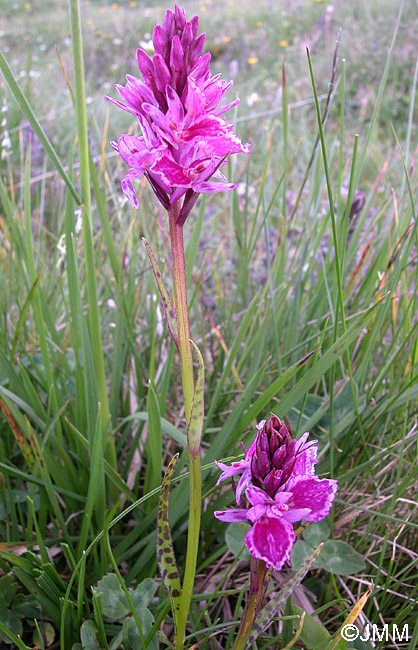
{"x": 184, "y": 140}
{"x": 281, "y": 488}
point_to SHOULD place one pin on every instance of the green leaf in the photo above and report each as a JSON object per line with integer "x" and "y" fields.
{"x": 26, "y": 607}
{"x": 144, "y": 593}
{"x": 88, "y": 634}
{"x": 8, "y": 588}
{"x": 336, "y": 557}
{"x": 114, "y": 602}
{"x": 167, "y": 303}
{"x": 48, "y": 635}
{"x": 130, "y": 631}
{"x": 340, "y": 558}
{"x": 317, "y": 532}
{"x": 314, "y": 635}
{"x": 271, "y": 609}
{"x": 234, "y": 538}
{"x": 166, "y": 559}
{"x": 12, "y": 622}
{"x": 195, "y": 428}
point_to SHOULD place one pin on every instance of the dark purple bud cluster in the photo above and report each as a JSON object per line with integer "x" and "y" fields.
{"x": 274, "y": 457}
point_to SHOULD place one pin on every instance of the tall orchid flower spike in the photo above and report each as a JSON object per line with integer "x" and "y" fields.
{"x": 182, "y": 147}
{"x": 281, "y": 488}
{"x": 184, "y": 140}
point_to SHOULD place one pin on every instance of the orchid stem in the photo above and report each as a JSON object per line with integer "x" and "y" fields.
{"x": 182, "y": 310}
{"x": 186, "y": 361}
{"x": 258, "y": 584}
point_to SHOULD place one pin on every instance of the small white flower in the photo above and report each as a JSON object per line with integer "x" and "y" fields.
{"x": 62, "y": 250}
{"x": 253, "y": 99}
{"x": 78, "y": 221}
{"x": 147, "y": 45}
{"x": 6, "y": 142}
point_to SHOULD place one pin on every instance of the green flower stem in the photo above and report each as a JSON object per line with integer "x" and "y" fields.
{"x": 182, "y": 310}
{"x": 195, "y": 477}
{"x": 258, "y": 584}
{"x": 83, "y": 148}
{"x": 195, "y": 482}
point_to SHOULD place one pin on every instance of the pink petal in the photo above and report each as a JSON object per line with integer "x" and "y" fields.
{"x": 195, "y": 25}
{"x": 256, "y": 513}
{"x": 120, "y": 104}
{"x": 306, "y": 455}
{"x": 145, "y": 64}
{"x": 224, "y": 109}
{"x": 129, "y": 191}
{"x": 256, "y": 496}
{"x": 296, "y": 514}
{"x": 228, "y": 471}
{"x": 180, "y": 17}
{"x": 168, "y": 23}
{"x": 187, "y": 36}
{"x": 159, "y": 38}
{"x": 243, "y": 482}
{"x": 271, "y": 539}
{"x": 208, "y": 187}
{"x": 196, "y": 49}
{"x": 171, "y": 172}
{"x": 176, "y": 54}
{"x": 162, "y": 74}
{"x": 313, "y": 493}
{"x": 235, "y": 514}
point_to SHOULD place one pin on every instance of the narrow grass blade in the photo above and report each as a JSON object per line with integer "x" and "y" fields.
{"x": 193, "y": 245}
{"x": 22, "y": 316}
{"x": 154, "y": 445}
{"x": 272, "y": 391}
{"x": 19, "y": 437}
{"x": 89, "y": 256}
{"x": 111, "y": 473}
{"x": 251, "y": 316}
{"x": 37, "y": 128}
{"x": 272, "y": 608}
{"x": 47, "y": 482}
{"x": 167, "y": 427}
{"x": 165, "y": 550}
{"x": 95, "y": 494}
{"x": 168, "y": 306}
{"x": 326, "y": 361}
{"x": 338, "y": 641}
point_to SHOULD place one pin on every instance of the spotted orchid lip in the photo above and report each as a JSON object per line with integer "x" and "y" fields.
{"x": 184, "y": 139}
